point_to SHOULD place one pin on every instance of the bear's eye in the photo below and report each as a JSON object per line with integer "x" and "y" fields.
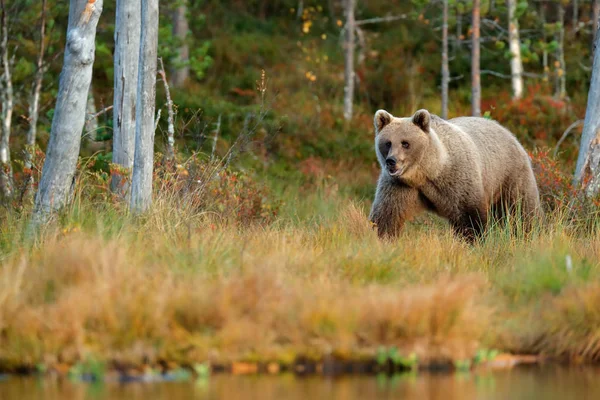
{"x": 388, "y": 145}
{"x": 405, "y": 144}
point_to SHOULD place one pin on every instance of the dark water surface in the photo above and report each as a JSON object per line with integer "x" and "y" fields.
{"x": 548, "y": 383}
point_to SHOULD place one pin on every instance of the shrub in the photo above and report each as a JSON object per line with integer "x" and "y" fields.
{"x": 209, "y": 186}
{"x": 556, "y": 189}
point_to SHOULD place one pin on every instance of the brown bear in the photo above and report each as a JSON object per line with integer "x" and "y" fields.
{"x": 462, "y": 169}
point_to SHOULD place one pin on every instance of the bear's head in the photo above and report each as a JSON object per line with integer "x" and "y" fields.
{"x": 401, "y": 143}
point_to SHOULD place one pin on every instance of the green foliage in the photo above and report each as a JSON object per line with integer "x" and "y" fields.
{"x": 462, "y": 365}
{"x": 385, "y": 355}
{"x": 485, "y": 355}
{"x": 522, "y": 8}
{"x": 202, "y": 370}
{"x": 90, "y": 369}
{"x": 200, "y": 61}
{"x": 549, "y": 274}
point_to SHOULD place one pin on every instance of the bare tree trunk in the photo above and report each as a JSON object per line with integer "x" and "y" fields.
{"x": 516, "y": 63}
{"x": 475, "y": 56}
{"x": 6, "y": 171}
{"x": 69, "y": 114}
{"x": 126, "y": 63}
{"x": 91, "y": 124}
{"x": 349, "y": 59}
{"x": 34, "y": 102}
{"x": 143, "y": 162}
{"x": 561, "y": 73}
{"x": 445, "y": 67}
{"x": 181, "y": 71}
{"x": 171, "y": 119}
{"x": 587, "y": 170}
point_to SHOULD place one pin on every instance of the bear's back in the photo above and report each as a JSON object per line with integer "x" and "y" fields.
{"x": 498, "y": 153}
{"x": 491, "y": 139}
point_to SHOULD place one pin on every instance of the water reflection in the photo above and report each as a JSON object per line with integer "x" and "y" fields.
{"x": 549, "y": 383}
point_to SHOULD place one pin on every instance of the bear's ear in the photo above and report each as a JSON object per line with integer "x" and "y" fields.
{"x": 382, "y": 118}
{"x": 422, "y": 119}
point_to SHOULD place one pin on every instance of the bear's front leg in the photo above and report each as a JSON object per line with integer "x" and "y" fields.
{"x": 471, "y": 223}
{"x": 394, "y": 204}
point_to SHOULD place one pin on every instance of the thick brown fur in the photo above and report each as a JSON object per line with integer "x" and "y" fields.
{"x": 460, "y": 169}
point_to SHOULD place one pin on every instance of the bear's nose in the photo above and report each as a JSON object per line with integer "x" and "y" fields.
{"x": 390, "y": 162}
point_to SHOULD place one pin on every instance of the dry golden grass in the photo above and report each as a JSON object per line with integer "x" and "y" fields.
{"x": 570, "y": 325}
{"x": 173, "y": 286}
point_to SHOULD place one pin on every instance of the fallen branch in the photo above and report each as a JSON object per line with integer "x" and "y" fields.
{"x": 565, "y": 134}
{"x": 378, "y": 20}
{"x": 99, "y": 113}
{"x": 506, "y": 76}
{"x": 157, "y": 120}
{"x": 496, "y": 74}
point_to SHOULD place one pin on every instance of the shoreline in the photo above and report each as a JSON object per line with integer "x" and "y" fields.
{"x": 94, "y": 371}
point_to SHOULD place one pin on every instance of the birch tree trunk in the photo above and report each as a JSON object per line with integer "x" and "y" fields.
{"x": 126, "y": 63}
{"x": 587, "y": 170}
{"x": 6, "y": 171}
{"x": 34, "y": 102}
{"x": 445, "y": 67}
{"x": 181, "y": 71}
{"x": 91, "y": 120}
{"x": 143, "y": 162}
{"x": 475, "y": 56}
{"x": 171, "y": 116}
{"x": 69, "y": 114}
{"x": 561, "y": 72}
{"x": 516, "y": 63}
{"x": 349, "y": 59}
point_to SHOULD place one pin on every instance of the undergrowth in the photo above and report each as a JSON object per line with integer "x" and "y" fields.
{"x": 222, "y": 269}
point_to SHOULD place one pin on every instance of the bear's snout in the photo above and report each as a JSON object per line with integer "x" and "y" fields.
{"x": 390, "y": 162}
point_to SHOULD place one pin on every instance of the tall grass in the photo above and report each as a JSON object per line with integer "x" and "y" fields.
{"x": 185, "y": 285}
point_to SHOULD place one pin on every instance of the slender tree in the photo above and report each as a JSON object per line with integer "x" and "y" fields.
{"x": 143, "y": 162}
{"x": 560, "y": 90}
{"x": 587, "y": 171}
{"x": 91, "y": 121}
{"x": 7, "y": 95}
{"x": 445, "y": 67}
{"x": 171, "y": 115}
{"x": 181, "y": 70}
{"x": 34, "y": 102}
{"x": 69, "y": 114}
{"x": 349, "y": 58}
{"x": 516, "y": 62}
{"x": 475, "y": 56}
{"x": 126, "y": 63}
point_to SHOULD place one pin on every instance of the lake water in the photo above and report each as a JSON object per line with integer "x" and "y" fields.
{"x": 547, "y": 383}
